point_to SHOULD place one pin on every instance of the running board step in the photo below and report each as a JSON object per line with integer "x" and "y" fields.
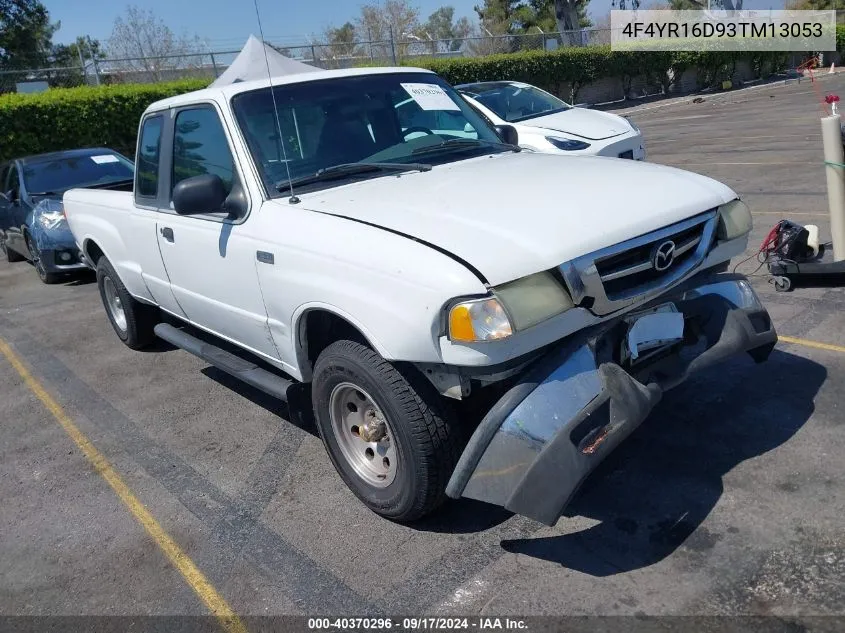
{"x": 240, "y": 368}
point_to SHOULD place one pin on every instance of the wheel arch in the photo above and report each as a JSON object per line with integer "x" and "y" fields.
{"x": 317, "y": 327}
{"x": 92, "y": 251}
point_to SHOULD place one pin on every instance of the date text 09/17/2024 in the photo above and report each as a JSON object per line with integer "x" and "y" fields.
{"x": 417, "y": 624}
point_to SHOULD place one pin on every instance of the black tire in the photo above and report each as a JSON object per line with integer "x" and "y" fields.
{"x": 12, "y": 256}
{"x": 423, "y": 429}
{"x": 140, "y": 318}
{"x": 43, "y": 275}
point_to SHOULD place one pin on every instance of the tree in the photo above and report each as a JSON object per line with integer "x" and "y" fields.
{"x": 25, "y": 34}
{"x": 343, "y": 40}
{"x": 529, "y": 16}
{"x": 380, "y": 21}
{"x": 337, "y": 43}
{"x": 443, "y": 31}
{"x": 568, "y": 16}
{"x": 147, "y": 46}
{"x": 84, "y": 48}
{"x": 698, "y": 5}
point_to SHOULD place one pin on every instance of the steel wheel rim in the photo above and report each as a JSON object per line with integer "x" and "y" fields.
{"x": 114, "y": 304}
{"x": 356, "y": 418}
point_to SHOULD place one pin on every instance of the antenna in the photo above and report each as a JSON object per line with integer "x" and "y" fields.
{"x": 293, "y": 198}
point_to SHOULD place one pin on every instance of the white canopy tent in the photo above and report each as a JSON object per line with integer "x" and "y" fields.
{"x": 251, "y": 64}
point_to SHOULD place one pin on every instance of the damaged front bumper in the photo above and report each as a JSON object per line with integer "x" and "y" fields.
{"x": 539, "y": 442}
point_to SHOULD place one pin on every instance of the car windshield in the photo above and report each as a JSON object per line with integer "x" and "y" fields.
{"x": 514, "y": 102}
{"x": 62, "y": 173}
{"x": 395, "y": 118}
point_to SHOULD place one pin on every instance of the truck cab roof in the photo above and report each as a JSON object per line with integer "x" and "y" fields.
{"x": 231, "y": 90}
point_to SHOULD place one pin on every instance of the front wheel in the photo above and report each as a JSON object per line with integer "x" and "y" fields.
{"x": 133, "y": 321}
{"x": 388, "y": 433}
{"x": 35, "y": 256}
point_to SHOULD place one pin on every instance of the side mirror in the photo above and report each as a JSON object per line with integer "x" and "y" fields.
{"x": 199, "y": 194}
{"x": 508, "y": 134}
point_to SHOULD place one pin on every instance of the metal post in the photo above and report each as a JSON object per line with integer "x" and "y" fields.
{"x": 94, "y": 60}
{"x": 834, "y": 158}
{"x": 213, "y": 65}
{"x": 82, "y": 65}
{"x": 313, "y": 54}
{"x": 392, "y": 46}
{"x": 370, "y": 43}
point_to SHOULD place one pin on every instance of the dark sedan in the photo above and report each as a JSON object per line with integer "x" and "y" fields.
{"x": 32, "y": 221}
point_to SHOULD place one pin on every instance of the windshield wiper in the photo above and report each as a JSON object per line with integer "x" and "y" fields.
{"x": 41, "y": 194}
{"x": 349, "y": 169}
{"x": 463, "y": 143}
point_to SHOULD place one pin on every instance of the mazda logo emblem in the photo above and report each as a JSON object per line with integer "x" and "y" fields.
{"x": 663, "y": 256}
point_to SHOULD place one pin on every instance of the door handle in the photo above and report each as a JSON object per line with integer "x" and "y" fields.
{"x": 167, "y": 233}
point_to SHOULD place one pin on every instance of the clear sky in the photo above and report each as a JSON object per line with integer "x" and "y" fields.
{"x": 226, "y": 24}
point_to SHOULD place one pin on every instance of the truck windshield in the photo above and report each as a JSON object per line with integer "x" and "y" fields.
{"x": 514, "y": 102}
{"x": 378, "y": 118}
{"x": 62, "y": 173}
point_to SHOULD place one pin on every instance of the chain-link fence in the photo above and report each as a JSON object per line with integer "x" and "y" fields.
{"x": 210, "y": 64}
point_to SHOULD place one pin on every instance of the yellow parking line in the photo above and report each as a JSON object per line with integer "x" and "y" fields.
{"x": 806, "y": 343}
{"x": 227, "y": 618}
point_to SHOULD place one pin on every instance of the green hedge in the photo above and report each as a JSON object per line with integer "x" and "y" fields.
{"x": 65, "y": 118}
{"x": 566, "y": 71}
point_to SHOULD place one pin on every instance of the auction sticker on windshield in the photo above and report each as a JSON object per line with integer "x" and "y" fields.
{"x": 430, "y": 97}
{"x": 105, "y": 158}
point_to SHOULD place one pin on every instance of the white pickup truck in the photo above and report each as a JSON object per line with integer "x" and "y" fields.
{"x": 300, "y": 231}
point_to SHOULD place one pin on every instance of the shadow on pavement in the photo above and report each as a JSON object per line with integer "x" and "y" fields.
{"x": 652, "y": 494}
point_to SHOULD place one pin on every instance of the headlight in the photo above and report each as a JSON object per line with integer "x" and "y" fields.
{"x": 517, "y": 305}
{"x": 734, "y": 220}
{"x": 567, "y": 144}
{"x": 50, "y": 213}
{"x": 633, "y": 126}
{"x": 533, "y": 299}
{"x": 479, "y": 320}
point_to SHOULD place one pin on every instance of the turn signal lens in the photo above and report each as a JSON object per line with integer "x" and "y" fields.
{"x": 478, "y": 321}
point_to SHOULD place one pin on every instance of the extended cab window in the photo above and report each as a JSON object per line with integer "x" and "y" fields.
{"x": 148, "y": 155}
{"x": 200, "y": 146}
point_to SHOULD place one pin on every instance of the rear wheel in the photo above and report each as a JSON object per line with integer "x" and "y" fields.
{"x": 388, "y": 433}
{"x": 133, "y": 321}
{"x": 11, "y": 255}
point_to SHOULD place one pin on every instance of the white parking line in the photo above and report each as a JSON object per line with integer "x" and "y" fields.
{"x": 733, "y": 138}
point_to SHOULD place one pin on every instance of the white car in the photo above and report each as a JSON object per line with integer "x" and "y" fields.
{"x": 547, "y": 124}
{"x": 394, "y": 267}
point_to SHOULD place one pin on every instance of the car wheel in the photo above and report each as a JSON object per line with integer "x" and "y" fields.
{"x": 388, "y": 433}
{"x": 11, "y": 255}
{"x": 35, "y": 256}
{"x": 133, "y": 321}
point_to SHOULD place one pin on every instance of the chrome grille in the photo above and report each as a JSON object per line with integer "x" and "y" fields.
{"x": 633, "y": 271}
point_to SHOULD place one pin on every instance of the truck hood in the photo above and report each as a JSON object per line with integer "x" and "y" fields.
{"x": 511, "y": 215}
{"x": 590, "y": 124}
